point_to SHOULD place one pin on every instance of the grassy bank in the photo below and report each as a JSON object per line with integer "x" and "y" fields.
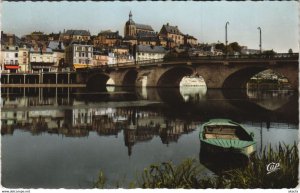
{"x": 255, "y": 175}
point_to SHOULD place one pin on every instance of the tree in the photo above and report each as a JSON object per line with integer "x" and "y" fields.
{"x": 235, "y": 47}
{"x": 269, "y": 52}
{"x": 220, "y": 46}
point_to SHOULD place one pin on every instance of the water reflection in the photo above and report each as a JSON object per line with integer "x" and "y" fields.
{"x": 123, "y": 131}
{"x": 193, "y": 93}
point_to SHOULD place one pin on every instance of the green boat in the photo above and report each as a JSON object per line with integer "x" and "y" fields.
{"x": 223, "y": 136}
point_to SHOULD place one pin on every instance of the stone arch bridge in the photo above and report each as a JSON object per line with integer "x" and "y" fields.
{"x": 218, "y": 72}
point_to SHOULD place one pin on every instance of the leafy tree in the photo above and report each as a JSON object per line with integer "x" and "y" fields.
{"x": 269, "y": 52}
{"x": 235, "y": 47}
{"x": 220, "y": 46}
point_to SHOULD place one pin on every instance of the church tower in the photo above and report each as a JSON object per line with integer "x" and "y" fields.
{"x": 130, "y": 28}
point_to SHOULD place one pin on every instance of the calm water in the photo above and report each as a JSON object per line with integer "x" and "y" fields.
{"x": 62, "y": 138}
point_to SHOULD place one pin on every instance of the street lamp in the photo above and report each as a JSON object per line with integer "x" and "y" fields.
{"x": 259, "y": 39}
{"x": 226, "y": 41}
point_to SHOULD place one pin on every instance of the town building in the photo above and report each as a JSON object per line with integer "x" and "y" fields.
{"x": 148, "y": 40}
{"x": 36, "y": 39}
{"x": 58, "y": 53}
{"x": 75, "y": 35}
{"x": 42, "y": 59}
{"x": 172, "y": 32}
{"x": 100, "y": 58}
{"x": 107, "y": 38}
{"x": 145, "y": 52}
{"x": 79, "y": 56}
{"x": 54, "y": 36}
{"x": 23, "y": 57}
{"x": 165, "y": 42}
{"x": 246, "y": 50}
{"x": 9, "y": 40}
{"x": 190, "y": 40}
{"x": 10, "y": 58}
{"x": 130, "y": 40}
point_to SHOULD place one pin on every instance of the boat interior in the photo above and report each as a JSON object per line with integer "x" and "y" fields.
{"x": 225, "y": 132}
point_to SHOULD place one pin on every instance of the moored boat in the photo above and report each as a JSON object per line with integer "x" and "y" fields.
{"x": 223, "y": 136}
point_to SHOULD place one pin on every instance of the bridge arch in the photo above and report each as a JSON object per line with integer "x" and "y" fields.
{"x": 130, "y": 77}
{"x": 97, "y": 82}
{"x": 240, "y": 78}
{"x": 172, "y": 76}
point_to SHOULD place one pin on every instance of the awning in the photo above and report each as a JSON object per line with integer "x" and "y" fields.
{"x": 11, "y": 67}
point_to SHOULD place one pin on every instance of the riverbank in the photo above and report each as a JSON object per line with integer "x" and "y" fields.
{"x": 257, "y": 174}
{"x": 43, "y": 85}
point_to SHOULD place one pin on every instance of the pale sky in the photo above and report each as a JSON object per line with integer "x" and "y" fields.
{"x": 204, "y": 20}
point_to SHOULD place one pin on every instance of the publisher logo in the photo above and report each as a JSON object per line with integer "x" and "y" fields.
{"x": 272, "y": 167}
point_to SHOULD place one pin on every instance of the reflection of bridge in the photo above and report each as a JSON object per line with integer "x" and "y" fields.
{"x": 217, "y": 71}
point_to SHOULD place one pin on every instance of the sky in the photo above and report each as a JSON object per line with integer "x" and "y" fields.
{"x": 204, "y": 20}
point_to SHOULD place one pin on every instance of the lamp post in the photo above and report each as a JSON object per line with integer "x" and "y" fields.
{"x": 226, "y": 41}
{"x": 259, "y": 39}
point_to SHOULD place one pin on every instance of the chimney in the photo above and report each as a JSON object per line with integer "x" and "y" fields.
{"x": 167, "y": 24}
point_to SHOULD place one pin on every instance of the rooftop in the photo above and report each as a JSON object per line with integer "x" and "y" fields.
{"x": 151, "y": 49}
{"x": 78, "y": 32}
{"x": 171, "y": 29}
{"x": 56, "y": 45}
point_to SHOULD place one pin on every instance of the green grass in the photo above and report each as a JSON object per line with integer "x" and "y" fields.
{"x": 188, "y": 174}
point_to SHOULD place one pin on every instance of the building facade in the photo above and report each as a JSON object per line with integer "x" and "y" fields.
{"x": 23, "y": 59}
{"x": 190, "y": 40}
{"x": 79, "y": 56}
{"x": 144, "y": 53}
{"x": 58, "y": 53}
{"x": 10, "y": 58}
{"x": 107, "y": 38}
{"x": 42, "y": 60}
{"x": 75, "y": 35}
{"x": 172, "y": 32}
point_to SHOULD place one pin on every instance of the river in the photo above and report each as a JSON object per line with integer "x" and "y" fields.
{"x": 63, "y": 137}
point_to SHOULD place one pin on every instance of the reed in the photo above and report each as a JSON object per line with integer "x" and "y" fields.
{"x": 188, "y": 173}
{"x": 256, "y": 176}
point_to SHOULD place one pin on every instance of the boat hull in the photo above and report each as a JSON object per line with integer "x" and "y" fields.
{"x": 214, "y": 149}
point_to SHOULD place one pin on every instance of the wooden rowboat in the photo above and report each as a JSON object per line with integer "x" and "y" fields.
{"x": 223, "y": 136}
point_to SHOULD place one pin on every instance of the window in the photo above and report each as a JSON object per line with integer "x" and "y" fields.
{"x": 17, "y": 48}
{"x": 16, "y": 61}
{"x": 16, "y": 55}
{"x": 24, "y": 53}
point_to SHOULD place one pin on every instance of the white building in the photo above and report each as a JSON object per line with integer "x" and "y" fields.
{"x": 146, "y": 52}
{"x": 42, "y": 60}
{"x": 79, "y": 56}
{"x": 10, "y": 58}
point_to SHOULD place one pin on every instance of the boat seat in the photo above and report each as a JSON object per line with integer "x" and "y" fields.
{"x": 228, "y": 131}
{"x": 220, "y": 136}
